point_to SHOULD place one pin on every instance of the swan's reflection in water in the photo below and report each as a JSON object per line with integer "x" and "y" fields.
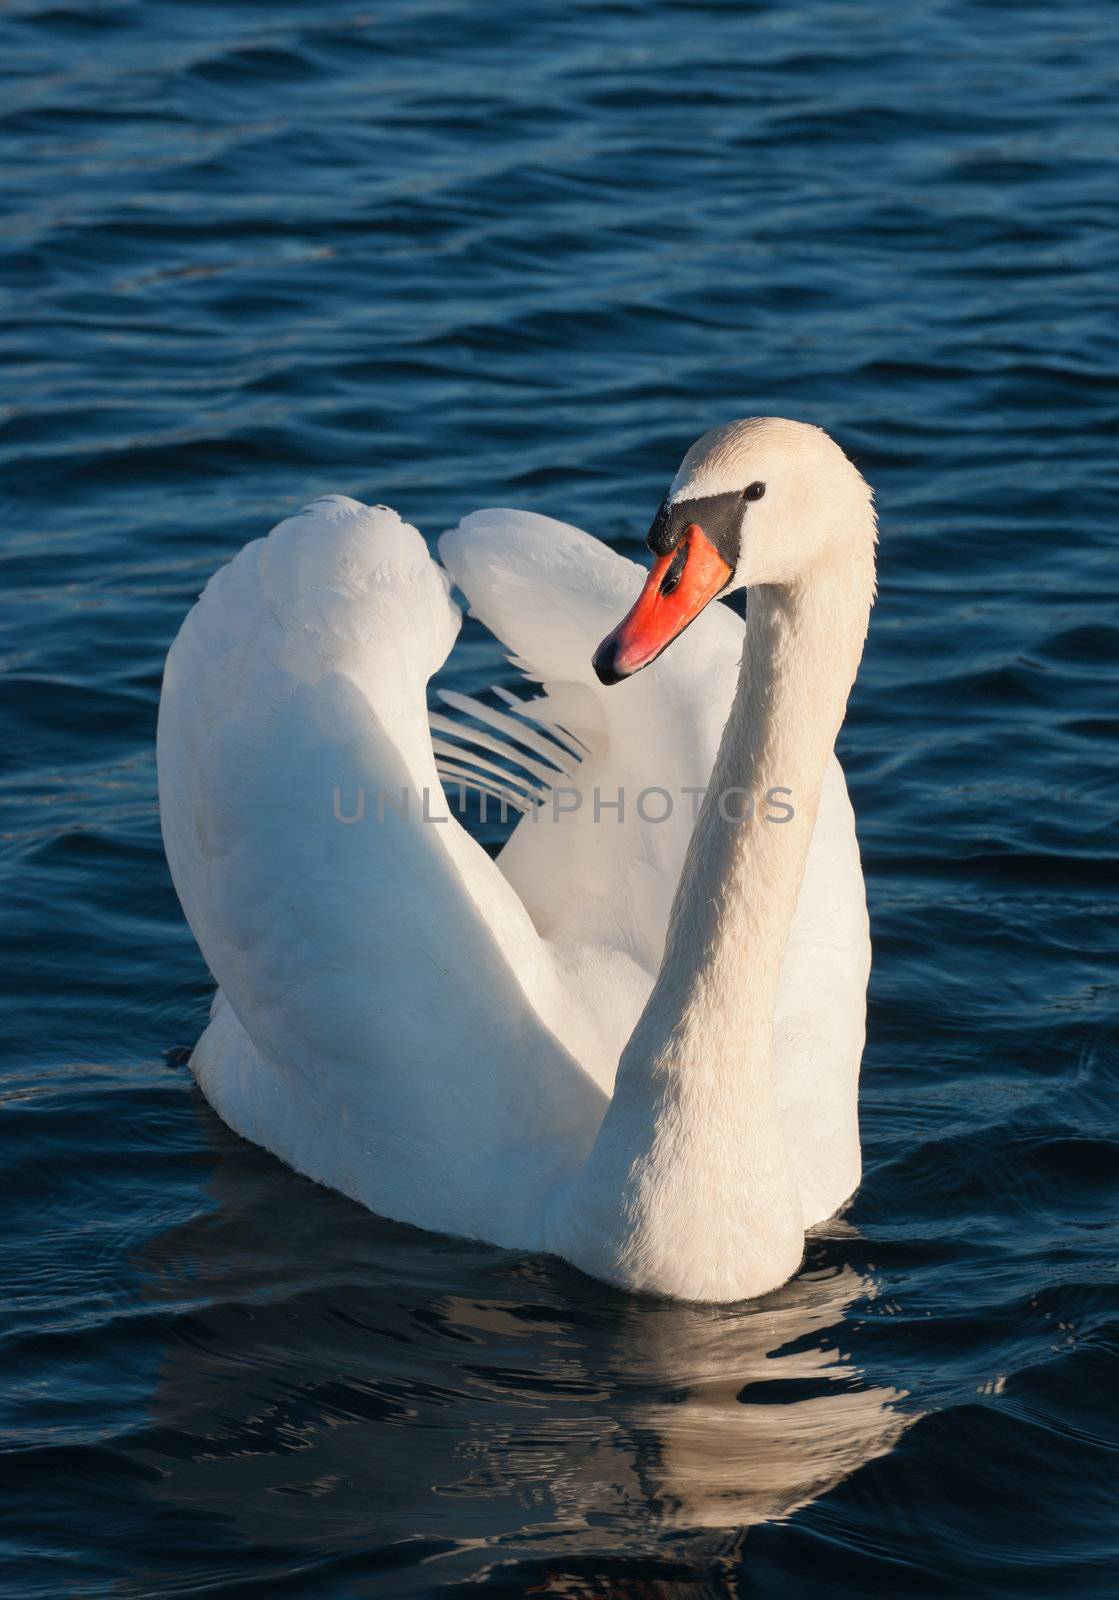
{"x": 338, "y": 1385}
{"x": 703, "y": 1418}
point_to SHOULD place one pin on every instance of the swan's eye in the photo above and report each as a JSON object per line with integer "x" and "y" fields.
{"x": 754, "y": 492}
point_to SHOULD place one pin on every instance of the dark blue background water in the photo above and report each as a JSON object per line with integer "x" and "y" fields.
{"x": 454, "y": 255}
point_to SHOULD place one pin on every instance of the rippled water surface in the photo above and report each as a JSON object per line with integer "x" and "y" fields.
{"x": 450, "y": 255}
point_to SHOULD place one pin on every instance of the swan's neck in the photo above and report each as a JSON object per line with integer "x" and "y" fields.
{"x": 738, "y": 891}
{"x": 689, "y": 1184}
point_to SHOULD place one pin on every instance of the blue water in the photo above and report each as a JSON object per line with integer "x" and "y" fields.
{"x": 448, "y": 256}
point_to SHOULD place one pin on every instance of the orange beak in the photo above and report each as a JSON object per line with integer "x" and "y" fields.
{"x": 678, "y": 587}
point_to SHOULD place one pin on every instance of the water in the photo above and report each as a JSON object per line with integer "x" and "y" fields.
{"x": 450, "y": 256}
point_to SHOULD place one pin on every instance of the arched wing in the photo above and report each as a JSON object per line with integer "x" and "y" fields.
{"x": 391, "y": 1021}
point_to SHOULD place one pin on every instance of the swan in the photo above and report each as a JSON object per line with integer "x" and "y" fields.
{"x": 633, "y": 1039}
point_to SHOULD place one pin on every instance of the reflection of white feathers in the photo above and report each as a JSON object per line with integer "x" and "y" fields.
{"x": 753, "y": 1425}
{"x": 398, "y": 1377}
{"x": 430, "y": 1031}
{"x": 760, "y": 1425}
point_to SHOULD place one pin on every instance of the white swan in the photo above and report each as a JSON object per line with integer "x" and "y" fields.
{"x": 437, "y": 1034}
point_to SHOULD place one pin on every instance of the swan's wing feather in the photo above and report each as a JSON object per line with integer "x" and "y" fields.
{"x": 388, "y": 1007}
{"x": 553, "y": 749}
{"x": 499, "y": 761}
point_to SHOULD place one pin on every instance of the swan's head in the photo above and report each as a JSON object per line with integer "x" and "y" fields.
{"x": 758, "y": 501}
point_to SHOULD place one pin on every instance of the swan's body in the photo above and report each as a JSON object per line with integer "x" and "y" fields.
{"x": 436, "y": 1034}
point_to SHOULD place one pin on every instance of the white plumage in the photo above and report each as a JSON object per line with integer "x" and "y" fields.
{"x": 399, "y": 1016}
